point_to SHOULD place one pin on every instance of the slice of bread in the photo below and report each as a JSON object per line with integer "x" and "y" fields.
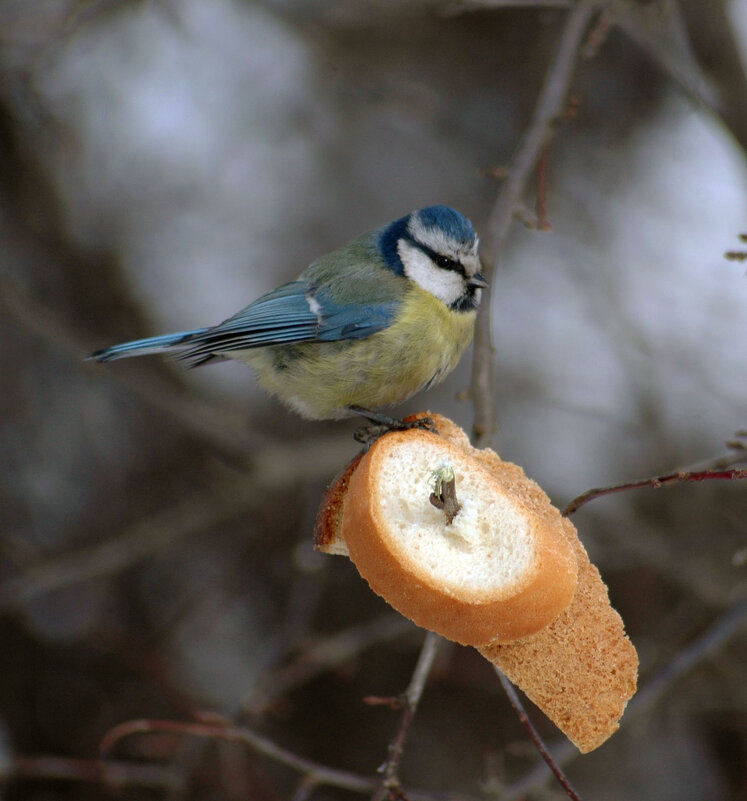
{"x": 580, "y": 669}
{"x": 497, "y": 572}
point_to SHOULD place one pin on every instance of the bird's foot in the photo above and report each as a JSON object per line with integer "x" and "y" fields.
{"x": 381, "y": 424}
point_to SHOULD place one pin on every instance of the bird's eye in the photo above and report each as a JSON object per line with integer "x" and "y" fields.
{"x": 446, "y": 263}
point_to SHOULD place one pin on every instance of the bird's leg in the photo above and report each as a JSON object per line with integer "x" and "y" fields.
{"x": 383, "y": 423}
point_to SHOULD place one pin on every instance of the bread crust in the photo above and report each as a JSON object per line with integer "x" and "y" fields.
{"x": 328, "y": 527}
{"x": 465, "y": 615}
{"x": 582, "y": 669}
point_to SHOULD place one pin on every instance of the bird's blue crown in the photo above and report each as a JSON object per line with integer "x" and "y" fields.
{"x": 450, "y": 221}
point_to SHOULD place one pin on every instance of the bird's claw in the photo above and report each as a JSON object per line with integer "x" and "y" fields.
{"x": 381, "y": 424}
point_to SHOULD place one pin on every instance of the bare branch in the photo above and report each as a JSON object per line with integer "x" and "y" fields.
{"x": 549, "y": 108}
{"x": 312, "y": 771}
{"x": 660, "y": 30}
{"x": 223, "y": 430}
{"x": 109, "y": 774}
{"x": 481, "y": 5}
{"x": 653, "y": 483}
{"x": 390, "y": 782}
{"x": 525, "y": 721}
{"x": 725, "y": 628}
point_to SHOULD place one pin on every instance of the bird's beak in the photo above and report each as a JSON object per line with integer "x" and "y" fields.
{"x": 478, "y": 281}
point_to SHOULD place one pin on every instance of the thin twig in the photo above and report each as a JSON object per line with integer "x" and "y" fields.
{"x": 655, "y": 482}
{"x": 482, "y": 5}
{"x": 525, "y": 721}
{"x": 542, "y": 223}
{"x": 549, "y": 109}
{"x": 726, "y": 627}
{"x": 313, "y": 771}
{"x": 390, "y": 782}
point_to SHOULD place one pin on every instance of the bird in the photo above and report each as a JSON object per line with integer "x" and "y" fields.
{"x": 362, "y": 328}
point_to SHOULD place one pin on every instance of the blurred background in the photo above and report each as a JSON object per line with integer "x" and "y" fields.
{"x": 162, "y": 164}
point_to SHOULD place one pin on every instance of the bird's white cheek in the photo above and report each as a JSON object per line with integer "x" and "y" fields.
{"x": 446, "y": 285}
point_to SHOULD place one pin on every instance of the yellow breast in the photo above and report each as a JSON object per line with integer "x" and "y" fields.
{"x": 321, "y": 379}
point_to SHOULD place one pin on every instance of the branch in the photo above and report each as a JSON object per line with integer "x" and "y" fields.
{"x": 654, "y": 483}
{"x": 109, "y": 774}
{"x": 390, "y": 784}
{"x": 659, "y": 29}
{"x": 220, "y": 428}
{"x": 313, "y": 772}
{"x": 481, "y": 5}
{"x": 274, "y": 467}
{"x": 525, "y": 721}
{"x": 549, "y": 108}
{"x": 698, "y": 651}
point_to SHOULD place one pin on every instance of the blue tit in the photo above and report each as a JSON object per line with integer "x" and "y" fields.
{"x": 364, "y": 327}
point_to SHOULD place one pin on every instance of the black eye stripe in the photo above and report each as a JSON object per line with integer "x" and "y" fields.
{"x": 444, "y": 262}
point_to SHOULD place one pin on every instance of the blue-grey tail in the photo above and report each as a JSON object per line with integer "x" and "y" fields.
{"x": 145, "y": 347}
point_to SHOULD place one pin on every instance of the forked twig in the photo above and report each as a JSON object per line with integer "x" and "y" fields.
{"x": 390, "y": 784}
{"x": 313, "y": 772}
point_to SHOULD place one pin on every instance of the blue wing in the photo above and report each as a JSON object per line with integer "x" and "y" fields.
{"x": 295, "y": 312}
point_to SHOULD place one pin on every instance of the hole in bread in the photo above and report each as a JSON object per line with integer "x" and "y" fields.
{"x": 488, "y": 547}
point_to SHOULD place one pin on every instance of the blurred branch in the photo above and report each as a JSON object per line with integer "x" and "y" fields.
{"x": 707, "y": 645}
{"x": 226, "y": 433}
{"x": 659, "y": 29}
{"x": 192, "y": 516}
{"x": 721, "y": 47}
{"x": 274, "y": 468}
{"x": 313, "y": 773}
{"x": 549, "y": 109}
{"x": 390, "y": 783}
{"x": 481, "y": 5}
{"x": 322, "y": 656}
{"x": 111, "y": 774}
